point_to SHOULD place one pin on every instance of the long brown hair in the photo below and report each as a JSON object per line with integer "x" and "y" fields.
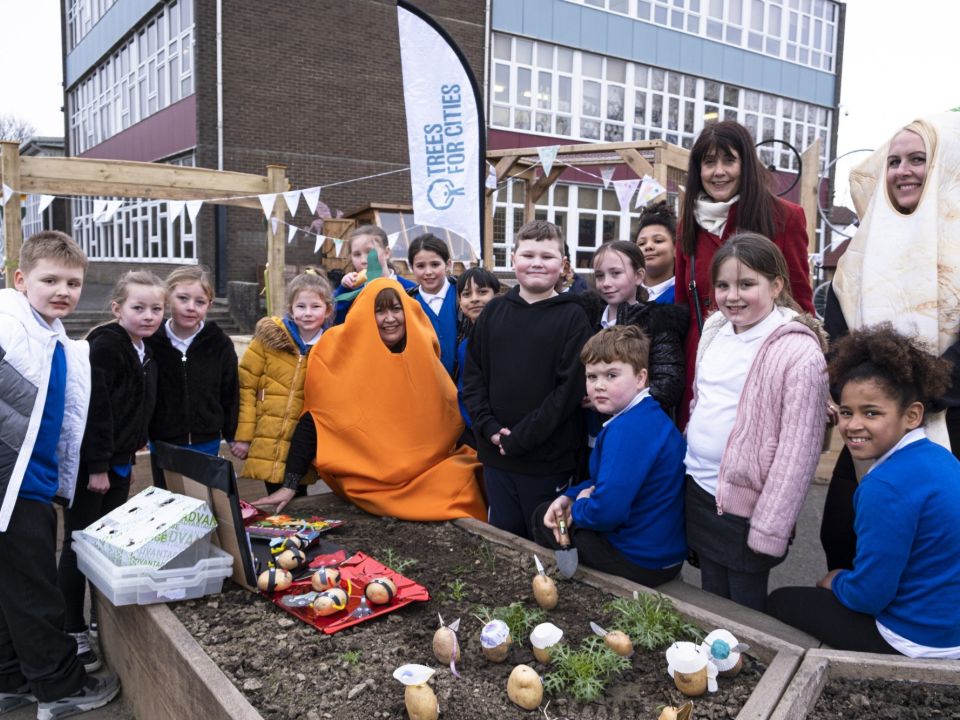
{"x": 757, "y": 209}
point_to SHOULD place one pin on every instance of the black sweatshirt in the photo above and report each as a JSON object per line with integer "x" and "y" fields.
{"x": 122, "y": 395}
{"x": 198, "y": 394}
{"x": 523, "y": 372}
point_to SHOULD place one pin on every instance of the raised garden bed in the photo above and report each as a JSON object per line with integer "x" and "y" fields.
{"x": 848, "y": 685}
{"x": 284, "y": 668}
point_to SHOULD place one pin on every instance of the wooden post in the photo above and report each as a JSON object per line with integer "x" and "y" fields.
{"x": 276, "y": 249}
{"x": 489, "y": 209}
{"x": 809, "y": 188}
{"x": 12, "y": 230}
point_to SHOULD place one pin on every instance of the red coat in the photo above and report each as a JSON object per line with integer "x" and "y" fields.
{"x": 792, "y": 241}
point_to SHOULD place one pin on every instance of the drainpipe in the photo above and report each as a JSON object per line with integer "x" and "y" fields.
{"x": 220, "y": 214}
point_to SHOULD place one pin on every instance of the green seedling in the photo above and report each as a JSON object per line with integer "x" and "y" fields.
{"x": 583, "y": 674}
{"x": 520, "y": 619}
{"x": 396, "y": 563}
{"x": 486, "y": 556}
{"x": 350, "y": 656}
{"x": 650, "y": 621}
{"x": 456, "y": 589}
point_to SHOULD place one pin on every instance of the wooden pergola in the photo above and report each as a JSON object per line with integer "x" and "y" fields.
{"x": 140, "y": 180}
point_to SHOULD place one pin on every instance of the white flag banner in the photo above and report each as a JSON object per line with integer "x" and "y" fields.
{"x": 109, "y": 211}
{"x": 443, "y": 129}
{"x": 392, "y": 239}
{"x": 175, "y": 208}
{"x": 99, "y": 206}
{"x": 266, "y": 202}
{"x": 311, "y": 196}
{"x": 45, "y": 201}
{"x": 607, "y": 174}
{"x": 491, "y": 182}
{"x": 548, "y": 154}
{"x": 318, "y": 245}
{"x": 649, "y": 189}
{"x": 292, "y": 199}
{"x": 337, "y": 246}
{"x": 193, "y": 207}
{"x": 493, "y": 197}
{"x": 7, "y": 193}
{"x": 291, "y": 232}
{"x": 625, "y": 190}
{"x": 275, "y": 224}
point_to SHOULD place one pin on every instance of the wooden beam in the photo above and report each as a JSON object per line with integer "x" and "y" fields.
{"x": 12, "y": 230}
{"x": 636, "y": 161}
{"x": 276, "y": 247}
{"x": 582, "y": 149}
{"x": 541, "y": 185}
{"x": 488, "y": 231}
{"x": 809, "y": 187}
{"x": 124, "y": 178}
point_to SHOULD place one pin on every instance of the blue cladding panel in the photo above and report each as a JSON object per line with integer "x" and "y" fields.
{"x": 596, "y": 31}
{"x": 109, "y": 30}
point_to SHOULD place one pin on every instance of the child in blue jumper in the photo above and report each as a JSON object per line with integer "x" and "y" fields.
{"x": 627, "y": 519}
{"x": 430, "y": 262}
{"x": 475, "y": 287}
{"x": 903, "y": 593}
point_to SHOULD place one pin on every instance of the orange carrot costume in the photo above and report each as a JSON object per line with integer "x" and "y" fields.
{"x": 387, "y": 423}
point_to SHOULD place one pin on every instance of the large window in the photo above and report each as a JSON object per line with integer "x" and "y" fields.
{"x": 82, "y": 15}
{"x": 801, "y": 31}
{"x": 141, "y": 230}
{"x": 549, "y": 90}
{"x": 151, "y": 70}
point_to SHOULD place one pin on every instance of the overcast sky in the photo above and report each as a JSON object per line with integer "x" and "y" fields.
{"x": 901, "y": 61}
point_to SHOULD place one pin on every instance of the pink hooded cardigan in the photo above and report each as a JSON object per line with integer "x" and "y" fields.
{"x": 773, "y": 449}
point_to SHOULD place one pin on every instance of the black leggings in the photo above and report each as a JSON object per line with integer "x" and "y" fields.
{"x": 817, "y": 612}
{"x": 595, "y": 551}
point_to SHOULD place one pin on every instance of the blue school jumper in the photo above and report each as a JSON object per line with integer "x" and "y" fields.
{"x": 445, "y": 326}
{"x": 667, "y": 297}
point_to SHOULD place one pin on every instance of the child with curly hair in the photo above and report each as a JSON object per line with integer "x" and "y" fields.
{"x": 903, "y": 593}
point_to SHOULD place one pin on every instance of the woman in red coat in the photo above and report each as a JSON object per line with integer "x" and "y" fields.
{"x": 727, "y": 191}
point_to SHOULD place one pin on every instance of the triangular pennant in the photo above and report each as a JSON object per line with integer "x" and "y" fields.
{"x": 292, "y": 199}
{"x": 175, "y": 208}
{"x": 310, "y": 197}
{"x": 193, "y": 207}
{"x": 391, "y": 241}
{"x": 607, "y": 174}
{"x": 625, "y": 190}
{"x": 547, "y": 153}
{"x": 291, "y": 231}
{"x": 109, "y": 210}
{"x": 266, "y": 202}
{"x": 649, "y": 189}
{"x": 45, "y": 201}
{"x": 99, "y": 206}
{"x": 491, "y": 181}
{"x": 7, "y": 193}
{"x": 319, "y": 243}
{"x": 493, "y": 197}
{"x": 337, "y": 246}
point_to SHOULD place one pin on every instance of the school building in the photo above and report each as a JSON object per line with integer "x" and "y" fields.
{"x": 317, "y": 87}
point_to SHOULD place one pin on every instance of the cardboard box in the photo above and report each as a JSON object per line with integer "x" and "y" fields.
{"x": 152, "y": 528}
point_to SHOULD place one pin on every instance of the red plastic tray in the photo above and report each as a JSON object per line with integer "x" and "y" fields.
{"x": 359, "y": 570}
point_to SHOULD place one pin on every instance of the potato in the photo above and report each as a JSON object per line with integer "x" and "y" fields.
{"x": 524, "y": 687}
{"x": 691, "y": 684}
{"x": 445, "y": 645}
{"x": 291, "y": 559}
{"x": 380, "y": 590}
{"x": 421, "y": 702}
{"x": 499, "y": 653}
{"x": 274, "y": 579}
{"x": 495, "y": 641}
{"x": 361, "y": 277}
{"x": 330, "y": 602}
{"x": 542, "y": 655}
{"x": 735, "y": 670}
{"x": 325, "y": 578}
{"x": 677, "y": 713}
{"x": 619, "y": 642}
{"x": 545, "y": 591}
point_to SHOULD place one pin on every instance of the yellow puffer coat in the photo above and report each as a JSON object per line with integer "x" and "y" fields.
{"x": 271, "y": 400}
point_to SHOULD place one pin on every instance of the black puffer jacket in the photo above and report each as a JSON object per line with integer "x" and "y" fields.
{"x": 666, "y": 326}
{"x": 198, "y": 395}
{"x": 122, "y": 397}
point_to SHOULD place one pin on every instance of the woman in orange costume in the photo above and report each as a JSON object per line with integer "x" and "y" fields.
{"x": 384, "y": 415}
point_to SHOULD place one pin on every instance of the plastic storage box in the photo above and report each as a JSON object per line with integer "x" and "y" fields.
{"x": 142, "y": 585}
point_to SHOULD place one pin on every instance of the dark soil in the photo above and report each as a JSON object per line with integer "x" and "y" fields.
{"x": 287, "y": 669}
{"x": 886, "y": 700}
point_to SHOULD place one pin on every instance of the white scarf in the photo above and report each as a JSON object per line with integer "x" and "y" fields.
{"x": 905, "y": 269}
{"x": 712, "y": 215}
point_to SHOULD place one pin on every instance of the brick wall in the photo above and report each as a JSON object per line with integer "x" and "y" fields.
{"x": 318, "y": 88}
